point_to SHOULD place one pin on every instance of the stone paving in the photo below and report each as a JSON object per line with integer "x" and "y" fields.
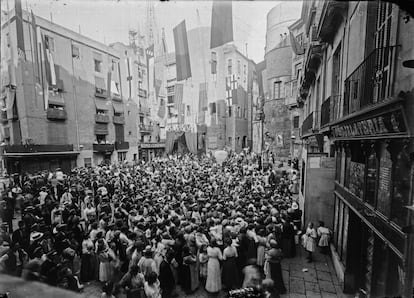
{"x": 316, "y": 279}
{"x": 302, "y": 279}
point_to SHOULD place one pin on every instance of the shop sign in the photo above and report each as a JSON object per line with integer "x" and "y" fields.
{"x": 391, "y": 122}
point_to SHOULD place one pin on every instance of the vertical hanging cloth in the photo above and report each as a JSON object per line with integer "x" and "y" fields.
{"x": 182, "y": 54}
{"x": 178, "y": 101}
{"x": 221, "y": 23}
{"x": 19, "y": 29}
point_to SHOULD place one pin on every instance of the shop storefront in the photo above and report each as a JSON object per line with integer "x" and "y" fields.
{"x": 373, "y": 184}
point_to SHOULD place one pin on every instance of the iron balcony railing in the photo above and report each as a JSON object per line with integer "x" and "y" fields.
{"x": 38, "y": 148}
{"x": 307, "y": 125}
{"x": 119, "y": 120}
{"x": 330, "y": 110}
{"x": 102, "y": 118}
{"x": 143, "y": 127}
{"x": 142, "y": 93}
{"x": 121, "y": 145}
{"x": 372, "y": 81}
{"x": 103, "y": 147}
{"x": 56, "y": 114}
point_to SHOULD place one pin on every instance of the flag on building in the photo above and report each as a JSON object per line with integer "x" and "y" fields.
{"x": 109, "y": 85}
{"x": 129, "y": 76}
{"x": 296, "y": 47}
{"x": 182, "y": 54}
{"x": 178, "y": 99}
{"x": 212, "y": 108}
{"x": 202, "y": 97}
{"x": 161, "y": 109}
{"x": 221, "y": 23}
{"x": 35, "y": 50}
{"x": 213, "y": 62}
{"x": 158, "y": 84}
{"x": 19, "y": 30}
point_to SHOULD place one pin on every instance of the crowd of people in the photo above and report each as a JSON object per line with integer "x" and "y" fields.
{"x": 144, "y": 229}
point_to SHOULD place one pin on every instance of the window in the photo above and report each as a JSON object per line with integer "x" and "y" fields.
{"x": 245, "y": 70}
{"x": 239, "y": 112}
{"x": 372, "y": 176}
{"x": 188, "y": 110}
{"x": 336, "y": 72}
{"x": 277, "y": 89}
{"x": 130, "y": 133}
{"x": 100, "y": 87}
{"x": 135, "y": 156}
{"x": 139, "y": 73}
{"x": 238, "y": 67}
{"x": 101, "y": 139}
{"x": 296, "y": 122}
{"x": 338, "y": 160}
{"x": 213, "y": 62}
{"x": 75, "y": 52}
{"x": 141, "y": 120}
{"x": 297, "y": 70}
{"x": 49, "y": 43}
{"x": 98, "y": 65}
{"x": 230, "y": 140}
{"x": 229, "y": 111}
{"x": 87, "y": 162}
{"x": 238, "y": 141}
{"x": 299, "y": 38}
{"x": 121, "y": 156}
{"x": 113, "y": 65}
{"x": 170, "y": 99}
{"x": 401, "y": 185}
{"x": 229, "y": 67}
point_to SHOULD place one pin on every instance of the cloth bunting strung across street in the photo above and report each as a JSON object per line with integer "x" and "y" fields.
{"x": 221, "y": 23}
{"x": 182, "y": 54}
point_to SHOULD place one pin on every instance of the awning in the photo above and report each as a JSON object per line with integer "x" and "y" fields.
{"x": 118, "y": 107}
{"x": 102, "y": 104}
{"x": 100, "y": 83}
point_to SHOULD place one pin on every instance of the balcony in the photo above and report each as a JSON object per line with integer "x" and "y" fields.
{"x": 116, "y": 96}
{"x": 307, "y": 125}
{"x": 330, "y": 110}
{"x": 101, "y": 93}
{"x": 142, "y": 93}
{"x": 333, "y": 13}
{"x": 103, "y": 148}
{"x": 291, "y": 92}
{"x": 119, "y": 120}
{"x": 56, "y": 114}
{"x": 121, "y": 145}
{"x": 372, "y": 82}
{"x": 3, "y": 116}
{"x": 143, "y": 109}
{"x": 101, "y": 118}
{"x": 145, "y": 128}
{"x": 37, "y": 148}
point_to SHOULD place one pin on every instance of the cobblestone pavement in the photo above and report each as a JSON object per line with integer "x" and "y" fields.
{"x": 302, "y": 279}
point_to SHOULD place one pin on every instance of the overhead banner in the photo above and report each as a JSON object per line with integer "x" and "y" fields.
{"x": 182, "y": 54}
{"x": 221, "y": 23}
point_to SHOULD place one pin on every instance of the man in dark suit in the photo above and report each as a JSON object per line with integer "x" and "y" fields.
{"x": 21, "y": 236}
{"x": 166, "y": 278}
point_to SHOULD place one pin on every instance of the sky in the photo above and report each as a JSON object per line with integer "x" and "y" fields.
{"x": 109, "y": 21}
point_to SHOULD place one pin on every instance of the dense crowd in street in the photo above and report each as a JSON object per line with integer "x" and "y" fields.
{"x": 145, "y": 229}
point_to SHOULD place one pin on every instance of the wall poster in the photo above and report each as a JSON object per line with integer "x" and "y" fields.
{"x": 384, "y": 182}
{"x": 356, "y": 179}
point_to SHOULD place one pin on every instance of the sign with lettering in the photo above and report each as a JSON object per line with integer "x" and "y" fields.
{"x": 212, "y": 142}
{"x": 181, "y": 127}
{"x": 388, "y": 123}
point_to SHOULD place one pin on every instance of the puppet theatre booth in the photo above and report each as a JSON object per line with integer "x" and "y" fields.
{"x": 181, "y": 139}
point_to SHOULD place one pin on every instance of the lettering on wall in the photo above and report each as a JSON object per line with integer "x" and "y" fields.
{"x": 392, "y": 122}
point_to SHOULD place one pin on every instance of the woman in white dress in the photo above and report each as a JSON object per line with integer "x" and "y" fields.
{"x": 213, "y": 283}
{"x": 310, "y": 241}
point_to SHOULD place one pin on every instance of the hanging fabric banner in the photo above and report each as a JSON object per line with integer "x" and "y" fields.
{"x": 182, "y": 54}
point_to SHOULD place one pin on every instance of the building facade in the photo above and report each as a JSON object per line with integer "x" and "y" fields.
{"x": 278, "y": 83}
{"x": 358, "y": 107}
{"x": 64, "y": 102}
